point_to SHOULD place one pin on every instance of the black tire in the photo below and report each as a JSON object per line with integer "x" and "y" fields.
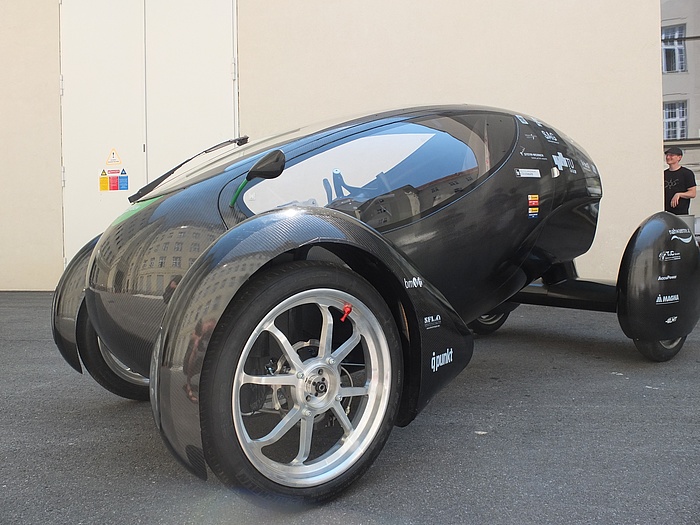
{"x": 328, "y": 416}
{"x": 104, "y": 368}
{"x": 660, "y": 351}
{"x": 488, "y": 323}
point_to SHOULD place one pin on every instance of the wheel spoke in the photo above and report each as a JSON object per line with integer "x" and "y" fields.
{"x": 353, "y": 391}
{"x": 273, "y": 380}
{"x": 305, "y": 435}
{"x": 326, "y": 337}
{"x": 289, "y": 353}
{"x": 342, "y": 417}
{"x": 277, "y": 433}
{"x": 344, "y": 349}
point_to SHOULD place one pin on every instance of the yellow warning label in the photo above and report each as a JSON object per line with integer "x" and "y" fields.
{"x": 113, "y": 158}
{"x": 104, "y": 183}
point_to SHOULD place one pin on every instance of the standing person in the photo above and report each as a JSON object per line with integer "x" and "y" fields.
{"x": 679, "y": 183}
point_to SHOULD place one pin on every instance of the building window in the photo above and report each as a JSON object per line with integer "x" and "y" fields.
{"x": 177, "y": 262}
{"x": 675, "y": 121}
{"x": 673, "y": 46}
{"x": 161, "y": 261}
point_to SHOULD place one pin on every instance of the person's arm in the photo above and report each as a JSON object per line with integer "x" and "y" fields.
{"x": 688, "y": 194}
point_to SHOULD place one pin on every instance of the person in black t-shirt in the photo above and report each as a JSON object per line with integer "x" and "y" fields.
{"x": 679, "y": 183}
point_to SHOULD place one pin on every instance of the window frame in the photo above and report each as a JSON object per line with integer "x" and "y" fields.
{"x": 676, "y": 127}
{"x": 673, "y": 45}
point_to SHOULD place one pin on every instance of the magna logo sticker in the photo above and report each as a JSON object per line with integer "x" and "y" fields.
{"x": 668, "y": 299}
{"x": 441, "y": 359}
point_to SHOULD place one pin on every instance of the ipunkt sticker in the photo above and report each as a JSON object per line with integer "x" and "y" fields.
{"x": 441, "y": 359}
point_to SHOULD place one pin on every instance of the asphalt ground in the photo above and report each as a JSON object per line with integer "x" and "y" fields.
{"x": 557, "y": 420}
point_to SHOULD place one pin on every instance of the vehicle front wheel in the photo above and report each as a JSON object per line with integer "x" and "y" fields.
{"x": 104, "y": 368}
{"x": 660, "y": 350}
{"x": 301, "y": 383}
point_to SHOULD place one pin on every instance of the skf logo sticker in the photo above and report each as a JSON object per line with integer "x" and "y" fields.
{"x": 441, "y": 359}
{"x": 672, "y": 319}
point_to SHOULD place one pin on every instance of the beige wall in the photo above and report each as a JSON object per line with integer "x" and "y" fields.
{"x": 31, "y": 243}
{"x": 572, "y": 64}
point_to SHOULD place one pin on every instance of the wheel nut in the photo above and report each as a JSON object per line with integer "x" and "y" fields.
{"x": 330, "y": 361}
{"x": 338, "y": 397}
{"x": 306, "y": 412}
{"x": 300, "y": 375}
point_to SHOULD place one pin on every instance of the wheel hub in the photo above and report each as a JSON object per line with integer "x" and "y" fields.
{"x": 319, "y": 388}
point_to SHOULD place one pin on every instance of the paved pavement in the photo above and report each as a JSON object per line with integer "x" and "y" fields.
{"x": 557, "y": 420}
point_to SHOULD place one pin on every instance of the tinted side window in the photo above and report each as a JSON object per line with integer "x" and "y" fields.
{"x": 393, "y": 174}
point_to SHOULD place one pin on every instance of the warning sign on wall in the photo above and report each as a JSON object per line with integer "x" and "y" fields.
{"x": 113, "y": 158}
{"x": 112, "y": 178}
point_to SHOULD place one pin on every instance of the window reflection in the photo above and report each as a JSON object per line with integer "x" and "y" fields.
{"x": 393, "y": 173}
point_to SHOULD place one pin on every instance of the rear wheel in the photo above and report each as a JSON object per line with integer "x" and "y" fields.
{"x": 104, "y": 368}
{"x": 300, "y": 385}
{"x": 488, "y": 323}
{"x": 660, "y": 350}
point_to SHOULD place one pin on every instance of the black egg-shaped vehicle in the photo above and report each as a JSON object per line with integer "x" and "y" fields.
{"x": 284, "y": 303}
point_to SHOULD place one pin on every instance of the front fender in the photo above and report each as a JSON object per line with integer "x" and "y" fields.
{"x": 440, "y": 343}
{"x": 67, "y": 299}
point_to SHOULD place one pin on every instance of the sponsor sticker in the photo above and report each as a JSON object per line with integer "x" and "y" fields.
{"x": 667, "y": 278}
{"x": 521, "y": 119}
{"x": 681, "y": 234}
{"x": 415, "y": 282}
{"x": 549, "y": 136}
{"x": 531, "y": 155}
{"x": 668, "y": 299}
{"x": 563, "y": 162}
{"x": 441, "y": 359}
{"x": 669, "y": 255}
{"x": 432, "y": 321}
{"x": 672, "y": 319}
{"x": 527, "y": 173}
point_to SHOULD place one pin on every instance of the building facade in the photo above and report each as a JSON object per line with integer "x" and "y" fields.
{"x": 295, "y": 63}
{"x": 680, "y": 62}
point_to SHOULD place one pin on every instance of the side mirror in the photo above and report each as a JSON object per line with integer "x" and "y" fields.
{"x": 268, "y": 167}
